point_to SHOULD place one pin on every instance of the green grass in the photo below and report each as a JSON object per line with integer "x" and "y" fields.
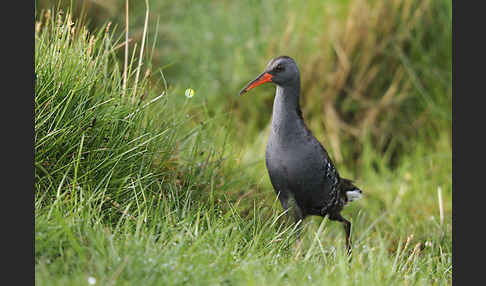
{"x": 174, "y": 191}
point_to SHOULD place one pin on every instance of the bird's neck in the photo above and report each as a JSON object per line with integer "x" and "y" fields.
{"x": 287, "y": 118}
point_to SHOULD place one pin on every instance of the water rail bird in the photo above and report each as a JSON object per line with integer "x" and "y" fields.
{"x": 298, "y": 165}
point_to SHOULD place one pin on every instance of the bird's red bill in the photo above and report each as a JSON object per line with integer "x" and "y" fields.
{"x": 265, "y": 77}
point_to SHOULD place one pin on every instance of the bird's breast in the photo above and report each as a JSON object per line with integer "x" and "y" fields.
{"x": 301, "y": 165}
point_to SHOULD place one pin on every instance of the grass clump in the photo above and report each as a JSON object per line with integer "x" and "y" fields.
{"x": 93, "y": 147}
{"x": 87, "y": 138}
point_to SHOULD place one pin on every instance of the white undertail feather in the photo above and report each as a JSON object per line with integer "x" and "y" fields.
{"x": 354, "y": 195}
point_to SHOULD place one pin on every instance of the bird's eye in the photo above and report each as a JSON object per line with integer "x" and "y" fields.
{"x": 279, "y": 68}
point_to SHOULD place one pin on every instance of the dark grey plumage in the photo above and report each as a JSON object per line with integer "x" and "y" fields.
{"x": 298, "y": 165}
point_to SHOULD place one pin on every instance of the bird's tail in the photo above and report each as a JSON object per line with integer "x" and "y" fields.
{"x": 352, "y": 192}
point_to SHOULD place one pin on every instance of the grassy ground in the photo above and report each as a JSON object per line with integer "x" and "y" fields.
{"x": 172, "y": 190}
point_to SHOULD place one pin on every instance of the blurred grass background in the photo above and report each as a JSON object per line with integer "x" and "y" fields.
{"x": 377, "y": 92}
{"x": 377, "y": 71}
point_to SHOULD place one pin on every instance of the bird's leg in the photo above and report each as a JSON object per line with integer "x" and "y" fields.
{"x": 290, "y": 205}
{"x": 299, "y": 220}
{"x": 347, "y": 229}
{"x": 298, "y": 216}
{"x": 284, "y": 201}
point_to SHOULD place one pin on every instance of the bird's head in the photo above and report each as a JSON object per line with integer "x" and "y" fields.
{"x": 281, "y": 70}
